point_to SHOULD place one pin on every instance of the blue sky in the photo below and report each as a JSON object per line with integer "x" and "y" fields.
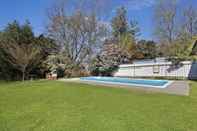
{"x": 35, "y": 12}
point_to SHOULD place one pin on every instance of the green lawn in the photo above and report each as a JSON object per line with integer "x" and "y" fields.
{"x": 60, "y": 106}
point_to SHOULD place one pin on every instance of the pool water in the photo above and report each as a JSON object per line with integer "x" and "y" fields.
{"x": 128, "y": 81}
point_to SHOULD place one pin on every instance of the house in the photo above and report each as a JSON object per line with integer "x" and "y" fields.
{"x": 160, "y": 67}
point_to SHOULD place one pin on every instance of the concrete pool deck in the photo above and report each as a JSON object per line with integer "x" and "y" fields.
{"x": 176, "y": 87}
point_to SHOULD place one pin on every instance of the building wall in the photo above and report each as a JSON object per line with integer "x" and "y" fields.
{"x": 187, "y": 70}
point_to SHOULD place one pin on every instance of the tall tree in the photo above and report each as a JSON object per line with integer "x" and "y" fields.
{"x": 17, "y": 46}
{"x": 21, "y": 50}
{"x": 165, "y": 16}
{"x": 79, "y": 34}
{"x": 127, "y": 44}
{"x": 119, "y": 22}
{"x": 190, "y": 18}
{"x": 148, "y": 49}
{"x": 134, "y": 29}
{"x": 22, "y": 57}
{"x": 125, "y": 33}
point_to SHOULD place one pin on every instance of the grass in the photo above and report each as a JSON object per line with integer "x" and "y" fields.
{"x": 59, "y": 106}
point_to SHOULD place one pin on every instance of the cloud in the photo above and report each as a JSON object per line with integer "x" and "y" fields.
{"x": 138, "y": 4}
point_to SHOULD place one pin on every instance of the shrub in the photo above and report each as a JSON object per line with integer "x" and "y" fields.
{"x": 76, "y": 72}
{"x": 103, "y": 71}
{"x": 60, "y": 72}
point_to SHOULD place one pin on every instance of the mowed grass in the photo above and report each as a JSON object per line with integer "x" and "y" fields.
{"x": 60, "y": 106}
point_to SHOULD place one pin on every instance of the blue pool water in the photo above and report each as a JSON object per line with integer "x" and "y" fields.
{"x": 128, "y": 81}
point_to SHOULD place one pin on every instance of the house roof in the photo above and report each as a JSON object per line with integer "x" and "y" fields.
{"x": 145, "y": 61}
{"x": 151, "y": 64}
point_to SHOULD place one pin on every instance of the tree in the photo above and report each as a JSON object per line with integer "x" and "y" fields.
{"x": 127, "y": 45}
{"x": 125, "y": 34}
{"x": 134, "y": 29}
{"x": 21, "y": 51}
{"x": 180, "y": 49}
{"x": 165, "y": 16}
{"x": 47, "y": 46}
{"x": 119, "y": 22}
{"x": 109, "y": 58}
{"x": 57, "y": 62}
{"x": 22, "y": 57}
{"x": 148, "y": 49}
{"x": 174, "y": 35}
{"x": 190, "y": 18}
{"x": 16, "y": 44}
{"x": 121, "y": 48}
{"x": 79, "y": 34}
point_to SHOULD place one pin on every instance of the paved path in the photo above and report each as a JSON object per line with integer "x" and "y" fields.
{"x": 177, "y": 87}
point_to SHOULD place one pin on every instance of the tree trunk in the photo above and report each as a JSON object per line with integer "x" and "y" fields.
{"x": 23, "y": 76}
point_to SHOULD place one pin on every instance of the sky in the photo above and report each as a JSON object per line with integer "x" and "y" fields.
{"x": 35, "y": 11}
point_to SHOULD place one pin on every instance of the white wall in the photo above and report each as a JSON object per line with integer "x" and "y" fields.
{"x": 188, "y": 69}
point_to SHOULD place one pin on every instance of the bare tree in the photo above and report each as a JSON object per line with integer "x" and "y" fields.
{"x": 23, "y": 57}
{"x": 99, "y": 7}
{"x": 190, "y": 18}
{"x": 79, "y": 34}
{"x": 165, "y": 16}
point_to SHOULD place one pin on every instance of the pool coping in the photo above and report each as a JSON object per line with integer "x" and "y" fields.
{"x": 130, "y": 84}
{"x": 175, "y": 87}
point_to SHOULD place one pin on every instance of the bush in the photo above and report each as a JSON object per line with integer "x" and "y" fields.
{"x": 60, "y": 72}
{"x": 76, "y": 72}
{"x": 103, "y": 71}
{"x": 94, "y": 71}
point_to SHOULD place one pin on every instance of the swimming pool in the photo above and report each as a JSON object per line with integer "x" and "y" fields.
{"x": 128, "y": 81}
